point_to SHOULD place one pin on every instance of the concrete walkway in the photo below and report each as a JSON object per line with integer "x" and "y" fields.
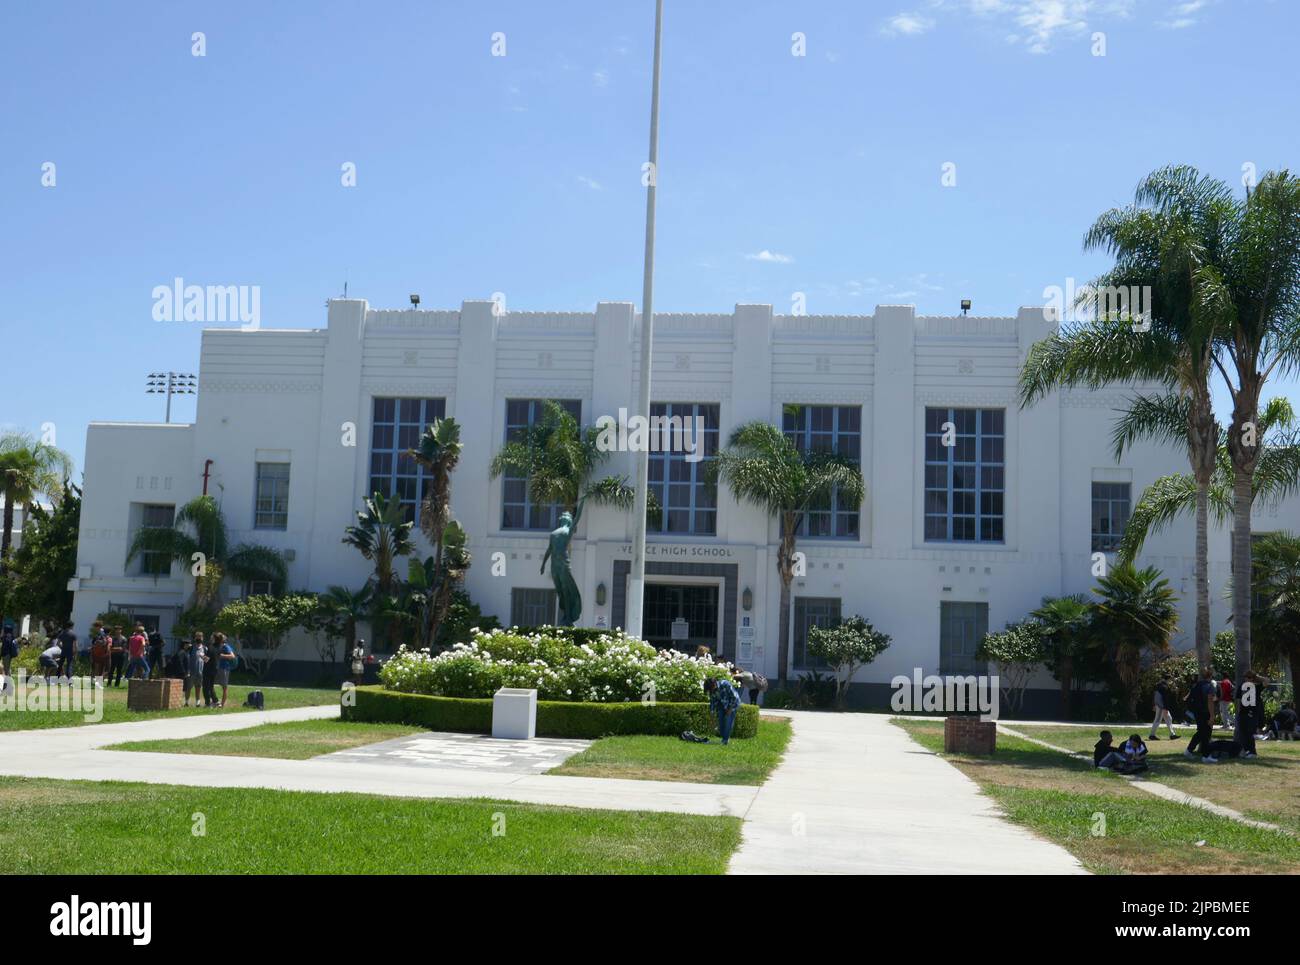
{"x": 855, "y": 794}
{"x": 74, "y": 753}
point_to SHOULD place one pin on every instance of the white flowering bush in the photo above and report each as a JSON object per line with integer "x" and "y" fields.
{"x": 611, "y": 668}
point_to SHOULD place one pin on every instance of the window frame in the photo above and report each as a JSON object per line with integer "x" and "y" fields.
{"x": 431, "y": 409}
{"x": 799, "y": 630}
{"x": 519, "y": 604}
{"x": 550, "y": 514}
{"x": 258, "y": 497}
{"x": 1100, "y": 540}
{"x": 660, "y": 463}
{"x": 801, "y": 437}
{"x": 966, "y": 665}
{"x": 978, "y": 465}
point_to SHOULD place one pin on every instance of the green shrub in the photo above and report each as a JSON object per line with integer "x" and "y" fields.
{"x": 555, "y": 718}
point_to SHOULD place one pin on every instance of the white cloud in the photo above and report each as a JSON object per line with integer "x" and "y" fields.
{"x": 600, "y": 78}
{"x": 907, "y": 25}
{"x": 770, "y": 256}
{"x": 590, "y": 183}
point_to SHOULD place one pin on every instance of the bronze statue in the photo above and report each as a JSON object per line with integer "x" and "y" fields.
{"x": 558, "y": 553}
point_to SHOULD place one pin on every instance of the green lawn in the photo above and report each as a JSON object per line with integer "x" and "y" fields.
{"x": 1059, "y": 797}
{"x": 294, "y": 740}
{"x": 115, "y": 712}
{"x": 148, "y": 829}
{"x": 1266, "y": 788}
{"x": 671, "y": 759}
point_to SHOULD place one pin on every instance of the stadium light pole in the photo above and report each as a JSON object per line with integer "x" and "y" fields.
{"x": 636, "y": 588}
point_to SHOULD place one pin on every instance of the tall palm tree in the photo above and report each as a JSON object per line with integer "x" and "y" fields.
{"x": 438, "y": 454}
{"x": 1137, "y": 613}
{"x": 557, "y": 458}
{"x": 763, "y": 467}
{"x": 1164, "y": 242}
{"x": 29, "y": 469}
{"x": 1258, "y": 287}
{"x": 340, "y": 610}
{"x": 382, "y": 535}
{"x": 200, "y": 528}
{"x": 1277, "y": 475}
{"x": 1066, "y": 633}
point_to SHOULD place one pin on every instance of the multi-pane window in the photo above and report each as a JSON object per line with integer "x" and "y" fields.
{"x": 697, "y": 605}
{"x": 827, "y": 428}
{"x": 1111, "y": 506}
{"x": 396, "y": 427}
{"x": 679, "y": 479}
{"x": 272, "y": 506}
{"x": 965, "y": 475}
{"x": 156, "y": 517}
{"x": 962, "y": 627}
{"x": 809, "y": 612}
{"x": 518, "y": 510}
{"x": 531, "y": 607}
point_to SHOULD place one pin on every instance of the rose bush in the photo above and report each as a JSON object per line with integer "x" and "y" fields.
{"x": 612, "y": 668}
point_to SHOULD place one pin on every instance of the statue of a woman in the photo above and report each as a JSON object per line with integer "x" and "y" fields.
{"x": 558, "y": 553}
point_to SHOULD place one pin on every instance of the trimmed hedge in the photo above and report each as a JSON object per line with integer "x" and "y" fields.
{"x": 555, "y": 718}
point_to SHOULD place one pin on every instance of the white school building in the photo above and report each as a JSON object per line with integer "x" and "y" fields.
{"x": 951, "y": 540}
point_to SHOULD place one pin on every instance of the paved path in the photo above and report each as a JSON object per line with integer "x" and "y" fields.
{"x": 867, "y": 799}
{"x": 74, "y": 753}
{"x": 474, "y": 751}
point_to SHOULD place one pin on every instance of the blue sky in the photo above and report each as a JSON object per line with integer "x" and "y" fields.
{"x": 521, "y": 173}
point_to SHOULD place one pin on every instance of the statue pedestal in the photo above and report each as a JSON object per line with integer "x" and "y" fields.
{"x": 514, "y": 713}
{"x": 969, "y": 735}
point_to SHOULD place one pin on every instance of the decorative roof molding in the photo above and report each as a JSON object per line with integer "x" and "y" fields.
{"x": 262, "y": 387}
{"x": 408, "y": 388}
{"x": 399, "y": 318}
{"x": 511, "y": 389}
{"x": 857, "y": 394}
{"x": 959, "y": 397}
{"x": 852, "y": 325}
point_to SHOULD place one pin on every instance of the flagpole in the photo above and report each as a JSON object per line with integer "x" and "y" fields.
{"x": 636, "y": 588}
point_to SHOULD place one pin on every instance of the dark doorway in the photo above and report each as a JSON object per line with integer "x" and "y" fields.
{"x": 697, "y": 604}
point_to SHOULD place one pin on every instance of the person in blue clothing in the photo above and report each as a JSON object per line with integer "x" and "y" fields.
{"x": 723, "y": 701}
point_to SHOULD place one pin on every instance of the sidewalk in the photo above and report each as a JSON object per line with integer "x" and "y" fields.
{"x": 870, "y": 801}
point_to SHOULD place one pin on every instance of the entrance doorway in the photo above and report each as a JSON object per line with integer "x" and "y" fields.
{"x": 693, "y": 604}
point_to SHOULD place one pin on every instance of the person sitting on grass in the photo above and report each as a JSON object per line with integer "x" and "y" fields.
{"x": 1104, "y": 752}
{"x": 1282, "y": 725}
{"x": 1135, "y": 754}
{"x": 723, "y": 701}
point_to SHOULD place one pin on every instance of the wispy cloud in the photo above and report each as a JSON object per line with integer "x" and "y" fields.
{"x": 591, "y": 183}
{"x": 907, "y": 25}
{"x": 773, "y": 257}
{"x": 600, "y": 78}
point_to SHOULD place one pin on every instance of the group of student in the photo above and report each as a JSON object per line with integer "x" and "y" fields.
{"x": 1205, "y": 699}
{"x": 204, "y": 667}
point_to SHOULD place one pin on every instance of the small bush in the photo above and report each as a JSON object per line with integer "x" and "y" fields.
{"x": 586, "y": 721}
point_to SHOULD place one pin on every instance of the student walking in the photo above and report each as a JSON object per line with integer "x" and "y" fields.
{"x": 227, "y": 660}
{"x": 195, "y": 657}
{"x": 1160, "y": 701}
{"x": 1226, "y": 693}
{"x": 135, "y": 648}
{"x": 723, "y": 701}
{"x": 117, "y": 656}
{"x": 1200, "y": 701}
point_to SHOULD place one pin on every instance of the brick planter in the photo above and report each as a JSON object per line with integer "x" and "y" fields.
{"x": 163, "y": 694}
{"x": 969, "y": 735}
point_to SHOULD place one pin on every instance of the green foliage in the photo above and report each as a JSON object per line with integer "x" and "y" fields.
{"x": 39, "y": 570}
{"x": 587, "y": 721}
{"x": 847, "y": 646}
{"x": 262, "y": 621}
{"x": 1223, "y": 654}
{"x": 195, "y": 619}
{"x": 463, "y": 616}
{"x": 1017, "y": 652}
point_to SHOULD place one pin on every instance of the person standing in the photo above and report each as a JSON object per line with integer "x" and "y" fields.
{"x": 1226, "y": 693}
{"x": 8, "y": 650}
{"x": 135, "y": 648}
{"x": 117, "y": 656}
{"x": 226, "y": 661}
{"x": 1160, "y": 700}
{"x": 155, "y": 653}
{"x": 723, "y": 702}
{"x": 1201, "y": 703}
{"x": 210, "y": 671}
{"x": 1250, "y": 714}
{"x": 101, "y": 651}
{"x": 68, "y": 644}
{"x": 196, "y": 657}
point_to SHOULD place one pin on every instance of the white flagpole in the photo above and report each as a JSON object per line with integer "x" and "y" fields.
{"x": 636, "y": 589}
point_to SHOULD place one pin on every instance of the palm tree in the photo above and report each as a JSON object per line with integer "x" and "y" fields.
{"x": 1137, "y": 612}
{"x": 1066, "y": 623}
{"x": 382, "y": 535}
{"x": 1276, "y": 586}
{"x": 761, "y": 466}
{"x": 1277, "y": 475}
{"x": 1258, "y": 286}
{"x": 198, "y": 538}
{"x": 557, "y": 458}
{"x": 340, "y": 610}
{"x": 438, "y": 454}
{"x": 1165, "y": 242}
{"x": 29, "y": 469}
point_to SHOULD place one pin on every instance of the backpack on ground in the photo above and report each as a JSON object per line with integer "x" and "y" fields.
{"x": 255, "y": 700}
{"x": 692, "y": 737}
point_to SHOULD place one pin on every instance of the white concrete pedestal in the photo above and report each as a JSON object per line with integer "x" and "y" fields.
{"x": 514, "y": 713}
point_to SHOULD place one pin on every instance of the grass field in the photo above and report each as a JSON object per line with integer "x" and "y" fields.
{"x": 1266, "y": 788}
{"x": 150, "y": 829}
{"x": 115, "y": 712}
{"x": 671, "y": 759}
{"x": 1061, "y": 799}
{"x": 294, "y": 740}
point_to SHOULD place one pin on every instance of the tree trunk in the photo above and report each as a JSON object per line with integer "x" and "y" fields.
{"x": 785, "y": 567}
{"x": 1202, "y": 574}
{"x": 1067, "y": 679}
{"x": 1241, "y": 586}
{"x": 6, "y": 537}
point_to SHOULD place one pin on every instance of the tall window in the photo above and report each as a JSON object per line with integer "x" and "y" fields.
{"x": 961, "y": 628}
{"x": 966, "y": 480}
{"x": 272, "y": 506}
{"x": 809, "y": 612}
{"x": 827, "y": 428}
{"x": 1111, "y": 506}
{"x": 533, "y": 607}
{"x": 688, "y": 502}
{"x": 396, "y": 427}
{"x": 156, "y": 517}
{"x": 518, "y": 511}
